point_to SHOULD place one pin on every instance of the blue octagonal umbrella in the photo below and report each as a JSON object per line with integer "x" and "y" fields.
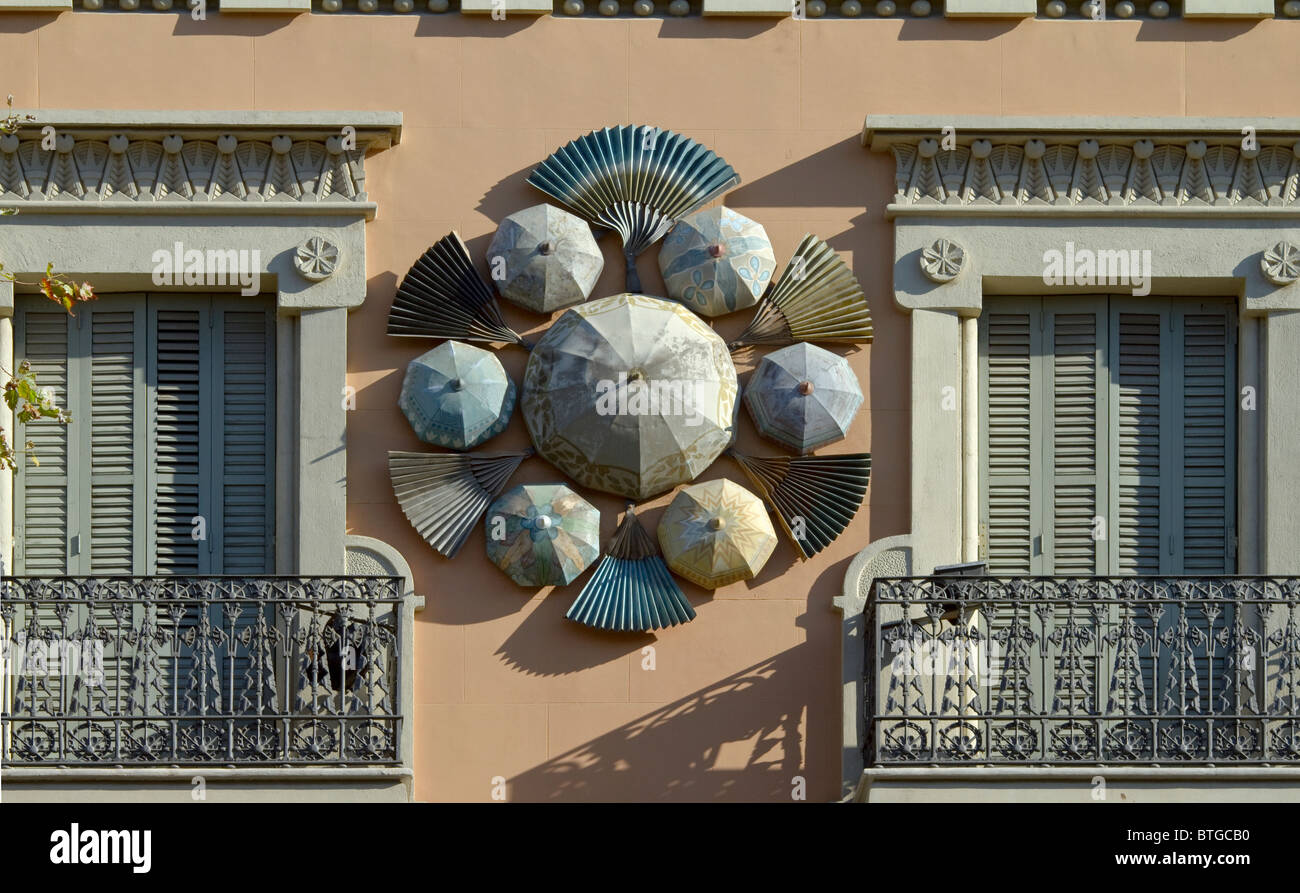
{"x": 717, "y": 261}
{"x": 457, "y": 396}
{"x": 542, "y": 534}
{"x": 803, "y": 397}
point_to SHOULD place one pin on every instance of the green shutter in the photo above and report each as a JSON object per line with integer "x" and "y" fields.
{"x": 1140, "y": 380}
{"x": 42, "y": 499}
{"x": 1009, "y": 344}
{"x": 245, "y": 410}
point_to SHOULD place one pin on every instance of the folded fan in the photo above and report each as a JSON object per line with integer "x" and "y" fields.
{"x": 444, "y": 494}
{"x": 817, "y": 298}
{"x": 443, "y": 296}
{"x": 631, "y": 589}
{"x": 636, "y": 180}
{"x": 816, "y": 496}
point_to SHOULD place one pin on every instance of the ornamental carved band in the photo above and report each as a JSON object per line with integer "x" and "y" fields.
{"x": 118, "y": 168}
{"x": 1089, "y": 172}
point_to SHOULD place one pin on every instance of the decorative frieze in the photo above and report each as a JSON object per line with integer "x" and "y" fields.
{"x": 191, "y": 160}
{"x": 1059, "y": 166}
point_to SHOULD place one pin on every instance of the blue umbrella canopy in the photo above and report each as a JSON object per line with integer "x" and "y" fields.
{"x": 803, "y": 397}
{"x": 542, "y": 534}
{"x": 717, "y": 261}
{"x": 457, "y": 395}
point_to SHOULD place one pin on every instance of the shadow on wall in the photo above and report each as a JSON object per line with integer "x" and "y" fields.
{"x": 742, "y": 737}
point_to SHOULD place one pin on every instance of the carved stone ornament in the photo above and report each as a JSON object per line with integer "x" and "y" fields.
{"x": 316, "y": 259}
{"x": 1281, "y": 263}
{"x": 943, "y": 261}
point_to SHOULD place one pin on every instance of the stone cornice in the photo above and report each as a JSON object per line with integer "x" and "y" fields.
{"x": 1091, "y": 166}
{"x": 187, "y": 162}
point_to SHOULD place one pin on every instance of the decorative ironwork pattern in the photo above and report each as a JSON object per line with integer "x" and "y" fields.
{"x": 162, "y": 671}
{"x": 1059, "y": 671}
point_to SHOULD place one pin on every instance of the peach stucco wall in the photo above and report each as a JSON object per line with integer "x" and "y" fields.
{"x": 746, "y": 697}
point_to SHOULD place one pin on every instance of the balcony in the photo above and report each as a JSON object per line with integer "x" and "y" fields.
{"x": 1066, "y": 672}
{"x": 176, "y": 671}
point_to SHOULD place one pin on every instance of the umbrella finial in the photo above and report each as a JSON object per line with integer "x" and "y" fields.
{"x": 806, "y": 388}
{"x": 545, "y": 248}
{"x": 716, "y": 523}
{"x": 456, "y": 384}
{"x": 717, "y": 250}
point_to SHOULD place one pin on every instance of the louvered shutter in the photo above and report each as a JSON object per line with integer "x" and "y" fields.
{"x": 179, "y": 443}
{"x": 1142, "y": 378}
{"x": 245, "y": 416}
{"x": 43, "y": 500}
{"x": 1010, "y": 347}
{"x": 1074, "y": 431}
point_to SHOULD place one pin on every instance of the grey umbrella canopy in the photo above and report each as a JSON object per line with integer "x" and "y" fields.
{"x": 803, "y": 397}
{"x": 630, "y": 394}
{"x": 635, "y": 180}
{"x": 457, "y": 395}
{"x": 544, "y": 258}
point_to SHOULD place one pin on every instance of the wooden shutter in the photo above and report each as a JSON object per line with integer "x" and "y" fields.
{"x": 245, "y": 416}
{"x": 43, "y": 501}
{"x": 1010, "y": 340}
{"x": 1141, "y": 378}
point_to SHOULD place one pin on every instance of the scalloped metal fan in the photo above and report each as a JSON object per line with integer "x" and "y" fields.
{"x": 817, "y": 298}
{"x": 443, "y": 296}
{"x": 636, "y": 180}
{"x": 813, "y": 495}
{"x": 632, "y": 589}
{"x": 444, "y": 494}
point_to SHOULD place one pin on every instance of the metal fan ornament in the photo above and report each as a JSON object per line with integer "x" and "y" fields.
{"x": 636, "y": 180}
{"x": 444, "y": 494}
{"x": 543, "y": 258}
{"x": 716, "y": 261}
{"x": 817, "y": 298}
{"x": 814, "y": 497}
{"x": 443, "y": 296}
{"x": 716, "y": 533}
{"x": 803, "y": 397}
{"x": 542, "y": 534}
{"x": 632, "y": 589}
{"x": 457, "y": 396}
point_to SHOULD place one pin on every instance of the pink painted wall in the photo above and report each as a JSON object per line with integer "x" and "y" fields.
{"x": 746, "y": 697}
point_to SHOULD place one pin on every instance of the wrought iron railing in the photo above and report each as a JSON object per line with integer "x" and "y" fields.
{"x": 1060, "y": 671}
{"x": 162, "y": 671}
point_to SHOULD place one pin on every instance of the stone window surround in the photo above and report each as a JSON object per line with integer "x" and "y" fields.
{"x": 1213, "y": 245}
{"x": 109, "y": 239}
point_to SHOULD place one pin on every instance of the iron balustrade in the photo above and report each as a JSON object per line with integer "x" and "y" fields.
{"x": 207, "y": 670}
{"x": 1067, "y": 670}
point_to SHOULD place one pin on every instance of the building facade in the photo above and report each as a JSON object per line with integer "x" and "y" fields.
{"x": 1077, "y": 233}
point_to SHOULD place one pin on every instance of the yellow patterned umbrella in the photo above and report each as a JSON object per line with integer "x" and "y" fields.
{"x": 716, "y": 533}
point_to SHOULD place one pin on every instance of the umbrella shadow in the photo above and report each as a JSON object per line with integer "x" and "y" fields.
{"x": 741, "y": 738}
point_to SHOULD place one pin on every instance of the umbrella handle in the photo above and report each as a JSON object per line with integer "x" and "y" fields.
{"x": 633, "y": 281}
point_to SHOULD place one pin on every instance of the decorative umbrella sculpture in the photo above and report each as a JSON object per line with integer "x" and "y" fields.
{"x": 716, "y": 533}
{"x": 443, "y": 494}
{"x": 631, "y": 589}
{"x": 630, "y": 394}
{"x": 716, "y": 261}
{"x": 635, "y": 180}
{"x": 443, "y": 296}
{"x": 542, "y": 534}
{"x": 803, "y": 397}
{"x": 816, "y": 299}
{"x": 457, "y": 396}
{"x": 544, "y": 258}
{"x": 815, "y": 497}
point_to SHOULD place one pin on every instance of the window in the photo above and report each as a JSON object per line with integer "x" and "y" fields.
{"x": 1108, "y": 435}
{"x": 168, "y": 465}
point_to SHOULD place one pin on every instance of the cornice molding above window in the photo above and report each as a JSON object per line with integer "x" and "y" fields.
{"x": 1163, "y": 167}
{"x": 193, "y": 162}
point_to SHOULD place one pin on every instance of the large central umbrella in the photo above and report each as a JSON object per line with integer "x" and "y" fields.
{"x": 716, "y": 533}
{"x": 803, "y": 396}
{"x": 630, "y": 394}
{"x": 542, "y": 534}
{"x": 457, "y": 395}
